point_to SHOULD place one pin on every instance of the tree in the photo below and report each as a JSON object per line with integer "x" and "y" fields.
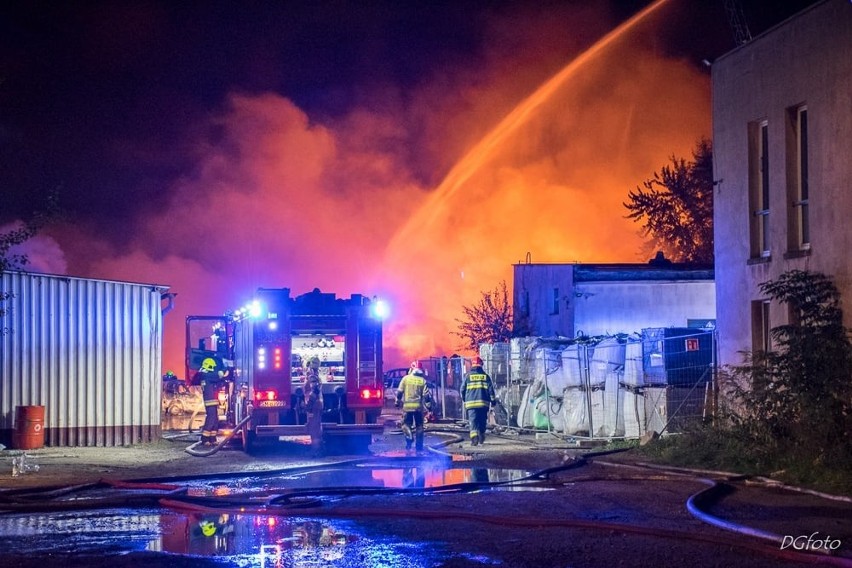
{"x": 796, "y": 400}
{"x": 676, "y": 206}
{"x": 19, "y": 235}
{"x": 489, "y": 321}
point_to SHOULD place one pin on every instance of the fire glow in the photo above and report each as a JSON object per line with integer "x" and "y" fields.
{"x": 281, "y": 200}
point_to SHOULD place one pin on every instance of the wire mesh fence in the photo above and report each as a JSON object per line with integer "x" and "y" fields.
{"x": 605, "y": 387}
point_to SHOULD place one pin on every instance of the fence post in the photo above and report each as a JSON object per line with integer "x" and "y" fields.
{"x": 588, "y": 380}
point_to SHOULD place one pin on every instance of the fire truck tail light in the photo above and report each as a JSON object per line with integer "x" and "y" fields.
{"x": 266, "y": 395}
{"x": 367, "y": 394}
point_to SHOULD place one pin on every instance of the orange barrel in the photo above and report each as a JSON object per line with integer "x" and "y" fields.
{"x": 29, "y": 428}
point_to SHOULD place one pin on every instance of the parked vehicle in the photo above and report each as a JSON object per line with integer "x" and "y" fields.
{"x": 440, "y": 396}
{"x": 267, "y": 347}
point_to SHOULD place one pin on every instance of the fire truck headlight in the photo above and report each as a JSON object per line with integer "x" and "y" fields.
{"x": 380, "y": 309}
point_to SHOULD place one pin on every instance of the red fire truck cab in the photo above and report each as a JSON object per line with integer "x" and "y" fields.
{"x": 267, "y": 346}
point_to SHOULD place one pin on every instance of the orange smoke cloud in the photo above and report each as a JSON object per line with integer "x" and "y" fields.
{"x": 351, "y": 205}
{"x": 273, "y": 204}
{"x": 549, "y": 180}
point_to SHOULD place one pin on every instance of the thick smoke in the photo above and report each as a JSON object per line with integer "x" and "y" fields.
{"x": 360, "y": 203}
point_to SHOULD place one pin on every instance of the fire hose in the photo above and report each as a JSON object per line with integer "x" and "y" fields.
{"x": 298, "y": 502}
{"x": 191, "y": 450}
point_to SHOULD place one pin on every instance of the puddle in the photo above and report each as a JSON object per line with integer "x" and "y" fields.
{"x": 242, "y": 538}
{"x": 425, "y": 474}
{"x": 233, "y": 539}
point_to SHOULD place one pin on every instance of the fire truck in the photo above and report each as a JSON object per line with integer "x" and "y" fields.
{"x": 267, "y": 347}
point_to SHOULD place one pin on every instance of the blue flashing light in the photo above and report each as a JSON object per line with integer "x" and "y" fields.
{"x": 380, "y": 309}
{"x": 255, "y": 309}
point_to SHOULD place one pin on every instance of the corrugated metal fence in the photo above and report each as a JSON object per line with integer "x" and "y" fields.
{"x": 89, "y": 351}
{"x": 601, "y": 388}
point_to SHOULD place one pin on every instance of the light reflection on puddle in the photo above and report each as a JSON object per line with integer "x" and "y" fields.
{"x": 423, "y": 474}
{"x": 258, "y": 539}
{"x": 235, "y": 539}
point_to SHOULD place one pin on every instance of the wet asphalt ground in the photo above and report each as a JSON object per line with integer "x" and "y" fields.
{"x": 454, "y": 505}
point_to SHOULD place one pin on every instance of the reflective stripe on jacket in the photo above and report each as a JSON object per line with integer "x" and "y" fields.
{"x": 210, "y": 384}
{"x": 414, "y": 393}
{"x": 477, "y": 389}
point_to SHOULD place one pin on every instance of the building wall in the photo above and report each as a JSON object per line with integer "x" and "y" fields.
{"x": 603, "y": 308}
{"x": 806, "y": 60}
{"x": 620, "y": 302}
{"x": 89, "y": 351}
{"x": 534, "y": 302}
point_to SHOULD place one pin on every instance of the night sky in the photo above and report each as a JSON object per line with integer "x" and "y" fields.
{"x": 216, "y": 147}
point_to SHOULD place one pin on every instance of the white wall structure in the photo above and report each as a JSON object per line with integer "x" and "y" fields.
{"x": 89, "y": 351}
{"x": 564, "y": 300}
{"x": 782, "y": 141}
{"x": 604, "y": 308}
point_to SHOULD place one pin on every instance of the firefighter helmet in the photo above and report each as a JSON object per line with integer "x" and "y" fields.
{"x": 208, "y": 528}
{"x": 208, "y": 365}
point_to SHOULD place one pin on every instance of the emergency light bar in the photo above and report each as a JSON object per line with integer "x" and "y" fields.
{"x": 251, "y": 310}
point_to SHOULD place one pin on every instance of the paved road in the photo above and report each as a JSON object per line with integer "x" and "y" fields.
{"x": 601, "y": 511}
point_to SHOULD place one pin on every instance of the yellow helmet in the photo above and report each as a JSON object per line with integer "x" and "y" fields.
{"x": 208, "y": 528}
{"x": 208, "y": 364}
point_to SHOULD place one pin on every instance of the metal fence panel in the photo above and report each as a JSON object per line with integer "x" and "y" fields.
{"x": 605, "y": 388}
{"x": 89, "y": 351}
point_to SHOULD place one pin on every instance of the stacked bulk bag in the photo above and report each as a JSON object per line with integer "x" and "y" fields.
{"x": 633, "y": 407}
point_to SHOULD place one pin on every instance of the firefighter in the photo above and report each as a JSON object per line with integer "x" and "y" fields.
{"x": 314, "y": 403}
{"x": 478, "y": 391}
{"x": 210, "y": 380}
{"x": 414, "y": 397}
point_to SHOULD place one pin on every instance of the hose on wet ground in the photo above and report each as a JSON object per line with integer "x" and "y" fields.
{"x": 698, "y": 503}
{"x": 304, "y": 502}
{"x": 194, "y": 450}
{"x": 701, "y": 499}
{"x": 517, "y": 521}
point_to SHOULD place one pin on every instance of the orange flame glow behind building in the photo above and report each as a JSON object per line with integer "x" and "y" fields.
{"x": 280, "y": 200}
{"x": 549, "y": 181}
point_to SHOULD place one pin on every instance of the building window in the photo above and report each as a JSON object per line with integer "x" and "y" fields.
{"x": 798, "y": 234}
{"x": 794, "y": 315}
{"x": 759, "y": 188}
{"x": 760, "y": 330}
{"x": 555, "y": 309}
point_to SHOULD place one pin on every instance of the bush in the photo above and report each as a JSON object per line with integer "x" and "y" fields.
{"x": 788, "y": 411}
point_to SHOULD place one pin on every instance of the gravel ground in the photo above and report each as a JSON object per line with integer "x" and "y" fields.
{"x": 611, "y": 510}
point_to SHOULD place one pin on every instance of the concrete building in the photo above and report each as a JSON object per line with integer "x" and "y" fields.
{"x": 600, "y": 299}
{"x": 782, "y": 145}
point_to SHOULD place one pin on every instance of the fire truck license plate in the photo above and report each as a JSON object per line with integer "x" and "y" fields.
{"x": 267, "y": 403}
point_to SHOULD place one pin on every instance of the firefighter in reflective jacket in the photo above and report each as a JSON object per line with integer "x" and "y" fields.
{"x": 414, "y": 397}
{"x": 314, "y": 404}
{"x": 210, "y": 380}
{"x": 478, "y": 391}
